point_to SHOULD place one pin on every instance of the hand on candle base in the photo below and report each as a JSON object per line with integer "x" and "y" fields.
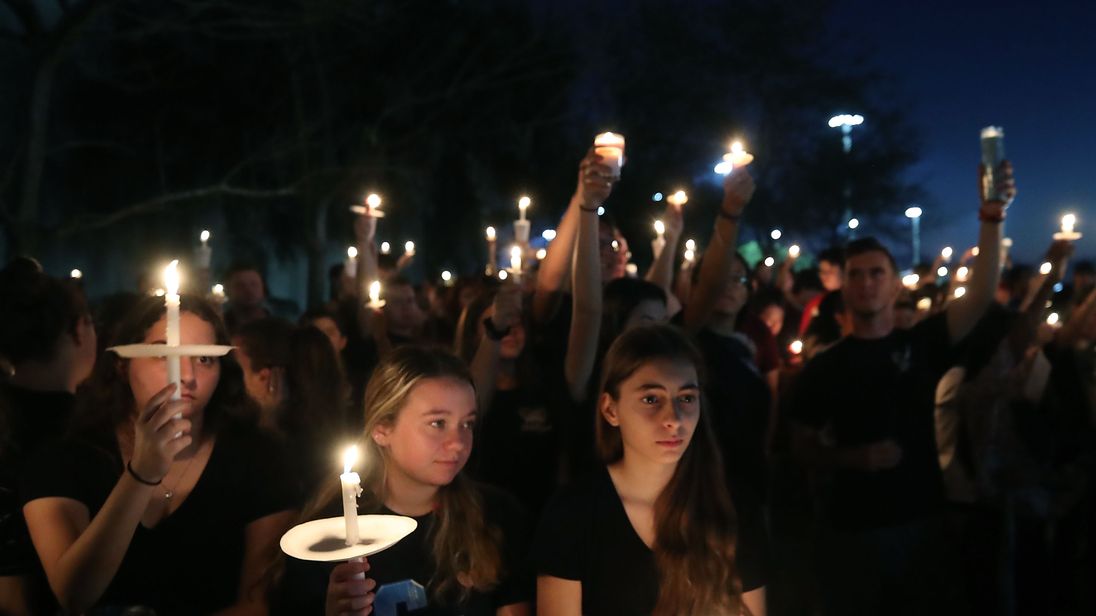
{"x": 349, "y": 592}
{"x": 738, "y": 189}
{"x": 595, "y": 180}
{"x": 1004, "y": 184}
{"x": 158, "y": 436}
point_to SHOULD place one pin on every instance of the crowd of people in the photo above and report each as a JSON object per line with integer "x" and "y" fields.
{"x": 709, "y": 438}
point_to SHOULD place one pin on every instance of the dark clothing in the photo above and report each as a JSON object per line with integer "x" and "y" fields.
{"x": 30, "y": 419}
{"x": 407, "y": 568}
{"x": 586, "y": 536}
{"x": 863, "y": 391}
{"x": 190, "y": 563}
{"x": 518, "y": 448}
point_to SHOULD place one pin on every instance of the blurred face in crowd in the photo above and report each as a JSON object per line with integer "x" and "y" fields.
{"x": 830, "y": 274}
{"x": 245, "y": 289}
{"x": 199, "y": 375}
{"x": 513, "y": 343}
{"x": 735, "y": 290}
{"x": 646, "y": 312}
{"x": 871, "y": 284}
{"x": 657, "y": 410}
{"x": 330, "y": 329}
{"x": 431, "y": 438}
{"x": 614, "y": 253}
{"x": 400, "y": 309}
{"x": 773, "y": 317}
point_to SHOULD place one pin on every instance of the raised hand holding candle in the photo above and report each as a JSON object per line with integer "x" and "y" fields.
{"x": 515, "y": 263}
{"x": 371, "y": 207}
{"x": 659, "y": 243}
{"x": 522, "y": 225}
{"x": 171, "y": 302}
{"x": 678, "y": 198}
{"x": 610, "y": 147}
{"x": 1069, "y": 223}
{"x": 351, "y": 490}
{"x": 737, "y": 157}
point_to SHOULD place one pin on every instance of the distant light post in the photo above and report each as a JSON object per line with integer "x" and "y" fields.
{"x": 914, "y": 214}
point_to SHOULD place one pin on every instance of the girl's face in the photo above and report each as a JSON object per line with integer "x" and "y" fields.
{"x": 431, "y": 439}
{"x": 657, "y": 411}
{"x": 199, "y": 374}
{"x": 646, "y": 312}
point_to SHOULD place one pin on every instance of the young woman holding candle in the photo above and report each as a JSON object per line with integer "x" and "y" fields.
{"x": 173, "y": 505}
{"x": 466, "y": 555}
{"x": 652, "y": 531}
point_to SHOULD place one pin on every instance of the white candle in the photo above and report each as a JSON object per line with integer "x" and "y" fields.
{"x": 491, "y": 266}
{"x": 351, "y": 265}
{"x": 659, "y": 243}
{"x": 204, "y": 237}
{"x": 515, "y": 262}
{"x": 204, "y": 254}
{"x": 523, "y": 204}
{"x": 351, "y": 490}
{"x": 375, "y": 301}
{"x": 610, "y": 147}
{"x": 171, "y": 302}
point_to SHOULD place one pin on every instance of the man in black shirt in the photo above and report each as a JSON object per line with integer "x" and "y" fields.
{"x": 863, "y": 410}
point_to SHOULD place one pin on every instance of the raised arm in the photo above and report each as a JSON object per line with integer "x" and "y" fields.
{"x": 505, "y": 313}
{"x": 582, "y": 341}
{"x": 964, "y": 314}
{"x": 80, "y": 555}
{"x": 738, "y": 188}
{"x": 365, "y": 230}
{"x": 662, "y": 267}
{"x": 554, "y": 273}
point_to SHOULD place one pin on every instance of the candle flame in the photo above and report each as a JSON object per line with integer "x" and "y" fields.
{"x": 679, "y": 198}
{"x": 374, "y": 291}
{"x": 946, "y": 253}
{"x": 386, "y": 248}
{"x": 911, "y": 280}
{"x": 925, "y": 303}
{"x": 689, "y": 255}
{"x": 974, "y": 251}
{"x": 76, "y": 274}
{"x": 524, "y": 202}
{"x": 796, "y": 347}
{"x": 962, "y": 273}
{"x": 490, "y": 234}
{"x": 609, "y": 139}
{"x": 1045, "y": 268}
{"x": 794, "y": 251}
{"x": 541, "y": 254}
{"x": 1069, "y": 221}
{"x": 409, "y": 247}
{"x": 942, "y": 271}
{"x": 736, "y": 147}
{"x": 776, "y": 234}
{"x": 171, "y": 278}
{"x": 769, "y": 261}
{"x": 218, "y": 290}
{"x": 660, "y": 227}
{"x": 373, "y": 200}
{"x": 446, "y": 275}
{"x": 350, "y": 458}
{"x": 204, "y": 236}
{"x": 548, "y": 234}
{"x": 960, "y": 292}
{"x": 503, "y": 275}
{"x": 690, "y": 244}
{"x": 352, "y": 252}
{"x": 515, "y": 252}
{"x": 1052, "y": 318}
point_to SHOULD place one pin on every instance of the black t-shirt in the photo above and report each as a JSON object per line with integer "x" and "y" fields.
{"x": 586, "y": 536}
{"x": 31, "y": 418}
{"x": 190, "y": 563}
{"x": 517, "y": 447}
{"x": 862, "y": 391}
{"x": 403, "y": 571}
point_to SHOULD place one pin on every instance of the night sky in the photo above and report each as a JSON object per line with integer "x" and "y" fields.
{"x": 1024, "y": 66}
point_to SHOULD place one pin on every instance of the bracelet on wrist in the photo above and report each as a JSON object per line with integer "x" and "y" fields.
{"x": 731, "y": 217}
{"x": 592, "y": 210}
{"x": 991, "y": 217}
{"x": 140, "y": 479}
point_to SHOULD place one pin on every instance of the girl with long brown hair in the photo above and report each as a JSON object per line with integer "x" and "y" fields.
{"x": 464, "y": 557}
{"x": 653, "y": 532}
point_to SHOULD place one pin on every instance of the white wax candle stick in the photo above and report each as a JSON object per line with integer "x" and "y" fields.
{"x": 171, "y": 303}
{"x": 351, "y": 490}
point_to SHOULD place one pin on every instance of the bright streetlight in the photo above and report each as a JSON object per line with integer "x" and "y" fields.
{"x": 914, "y": 214}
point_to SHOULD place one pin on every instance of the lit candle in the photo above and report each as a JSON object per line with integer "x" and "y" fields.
{"x": 769, "y": 261}
{"x": 218, "y": 292}
{"x": 409, "y": 248}
{"x": 1052, "y": 319}
{"x": 796, "y": 347}
{"x": 911, "y": 280}
{"x": 375, "y": 301}
{"x": 924, "y": 304}
{"x": 942, "y": 271}
{"x": 523, "y": 204}
{"x": 351, "y": 490}
{"x": 776, "y": 234}
{"x": 690, "y": 256}
{"x": 515, "y": 262}
{"x": 491, "y": 265}
{"x": 962, "y": 274}
{"x": 974, "y": 251}
{"x": 77, "y": 274}
{"x": 737, "y": 157}
{"x": 1068, "y": 233}
{"x": 204, "y": 254}
{"x": 373, "y": 202}
{"x": 1045, "y": 268}
{"x": 610, "y": 147}
{"x": 960, "y": 292}
{"x": 659, "y": 242}
{"x": 541, "y": 253}
{"x": 679, "y": 198}
{"x": 793, "y": 252}
{"x": 548, "y": 234}
{"x": 351, "y": 265}
{"x": 946, "y": 253}
{"x": 446, "y": 277}
{"x": 171, "y": 302}
{"x": 690, "y": 245}
{"x": 503, "y": 275}
{"x": 386, "y": 248}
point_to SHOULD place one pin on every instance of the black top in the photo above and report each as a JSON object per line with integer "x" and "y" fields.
{"x": 585, "y": 535}
{"x": 403, "y": 571}
{"x": 190, "y": 563}
{"x": 863, "y": 391}
{"x": 517, "y": 447}
{"x": 30, "y": 418}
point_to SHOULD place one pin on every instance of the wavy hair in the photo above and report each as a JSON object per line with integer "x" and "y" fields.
{"x": 694, "y": 518}
{"x": 467, "y": 552}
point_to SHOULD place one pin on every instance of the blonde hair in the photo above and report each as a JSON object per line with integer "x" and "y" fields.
{"x": 467, "y": 553}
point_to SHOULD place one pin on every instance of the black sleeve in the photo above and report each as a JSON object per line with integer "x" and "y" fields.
{"x": 752, "y": 556}
{"x": 932, "y": 338}
{"x": 503, "y": 512}
{"x": 559, "y": 546}
{"x": 71, "y": 469}
{"x": 808, "y": 405}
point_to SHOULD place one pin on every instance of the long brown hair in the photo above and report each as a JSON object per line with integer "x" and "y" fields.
{"x": 467, "y": 553}
{"x": 694, "y": 518}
